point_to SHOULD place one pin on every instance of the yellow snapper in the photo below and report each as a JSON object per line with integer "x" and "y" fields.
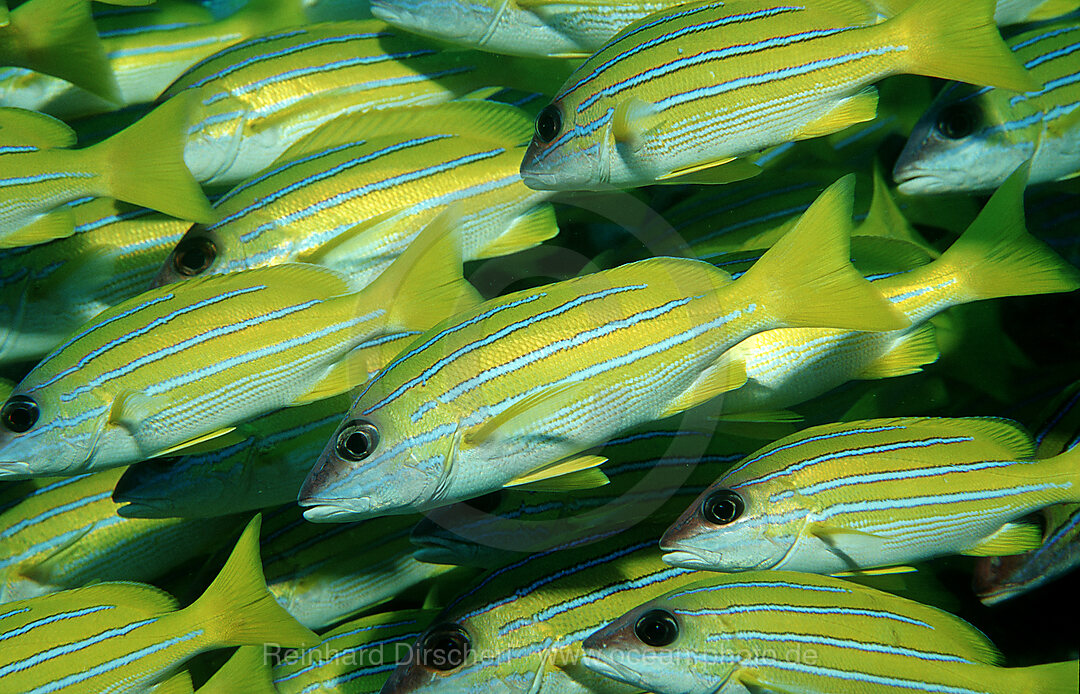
{"x": 871, "y": 493}
{"x": 66, "y": 534}
{"x": 126, "y": 637}
{"x": 260, "y": 96}
{"x": 519, "y": 628}
{"x": 147, "y": 49}
{"x": 695, "y": 86}
{"x": 780, "y": 631}
{"x": 538, "y": 28}
{"x": 58, "y": 37}
{"x": 352, "y": 195}
{"x": 48, "y": 290}
{"x": 995, "y": 257}
{"x": 180, "y": 364}
{"x": 514, "y": 390}
{"x": 142, "y": 165}
{"x": 970, "y": 139}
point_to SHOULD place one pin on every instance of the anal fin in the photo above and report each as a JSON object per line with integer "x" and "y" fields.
{"x": 1011, "y": 538}
{"x": 189, "y": 446}
{"x": 908, "y": 356}
{"x": 857, "y": 108}
{"x": 56, "y": 224}
{"x": 529, "y": 229}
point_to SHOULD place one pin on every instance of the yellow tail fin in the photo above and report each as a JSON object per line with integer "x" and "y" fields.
{"x": 238, "y": 610}
{"x": 424, "y": 284}
{"x": 1051, "y": 678}
{"x": 144, "y": 163}
{"x": 959, "y": 40}
{"x": 806, "y": 279}
{"x": 997, "y": 257}
{"x": 59, "y": 38}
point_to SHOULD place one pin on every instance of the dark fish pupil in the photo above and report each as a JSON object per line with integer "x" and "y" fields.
{"x": 957, "y": 121}
{"x": 723, "y": 507}
{"x": 19, "y": 414}
{"x": 357, "y": 440}
{"x": 194, "y": 255}
{"x": 445, "y": 648}
{"x": 656, "y": 628}
{"x": 548, "y": 123}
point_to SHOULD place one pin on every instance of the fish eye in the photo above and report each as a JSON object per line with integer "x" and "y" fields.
{"x": 958, "y": 120}
{"x": 19, "y": 414}
{"x": 357, "y": 440}
{"x": 656, "y": 628}
{"x": 722, "y": 507}
{"x": 444, "y": 647}
{"x": 193, "y": 255}
{"x": 548, "y": 123}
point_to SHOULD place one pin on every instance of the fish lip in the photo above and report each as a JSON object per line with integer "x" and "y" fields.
{"x": 139, "y": 509}
{"x": 685, "y": 559}
{"x": 612, "y": 670}
{"x": 538, "y": 181}
{"x": 15, "y": 470}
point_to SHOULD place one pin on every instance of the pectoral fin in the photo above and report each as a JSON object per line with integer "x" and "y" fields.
{"x": 580, "y": 471}
{"x": 519, "y": 415}
{"x": 632, "y": 121}
{"x": 189, "y": 446}
{"x": 56, "y": 224}
{"x": 914, "y": 351}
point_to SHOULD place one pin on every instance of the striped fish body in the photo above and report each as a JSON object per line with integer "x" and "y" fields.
{"x": 1007, "y": 11}
{"x": 790, "y": 632}
{"x": 148, "y": 47}
{"x": 524, "y": 622}
{"x": 355, "y": 193}
{"x": 874, "y": 493}
{"x": 263, "y": 94}
{"x": 48, "y": 290}
{"x": 653, "y": 470}
{"x": 176, "y": 363}
{"x": 66, "y": 534}
{"x": 264, "y": 468}
{"x": 318, "y": 583}
{"x": 536, "y": 377}
{"x": 972, "y": 139}
{"x": 125, "y": 637}
{"x": 529, "y": 28}
{"x": 354, "y": 658}
{"x": 697, "y": 85}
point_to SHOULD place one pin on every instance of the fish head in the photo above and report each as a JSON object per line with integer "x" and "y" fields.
{"x": 42, "y": 435}
{"x": 565, "y": 154}
{"x": 731, "y": 527}
{"x": 651, "y": 647}
{"x": 147, "y": 487}
{"x": 464, "y": 534}
{"x": 201, "y": 252}
{"x": 459, "y": 22}
{"x": 373, "y": 466}
{"x": 967, "y": 141}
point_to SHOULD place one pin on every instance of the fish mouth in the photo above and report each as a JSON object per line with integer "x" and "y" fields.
{"x": 15, "y": 470}
{"x": 330, "y": 512}
{"x": 139, "y": 509}
{"x": 539, "y": 181}
{"x": 612, "y": 670}
{"x": 685, "y": 559}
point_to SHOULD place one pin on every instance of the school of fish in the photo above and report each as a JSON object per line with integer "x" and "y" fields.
{"x": 539, "y": 346}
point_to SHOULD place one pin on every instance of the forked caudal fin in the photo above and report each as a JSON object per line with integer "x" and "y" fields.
{"x": 238, "y": 610}
{"x": 807, "y": 280}
{"x": 144, "y": 163}
{"x": 997, "y": 257}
